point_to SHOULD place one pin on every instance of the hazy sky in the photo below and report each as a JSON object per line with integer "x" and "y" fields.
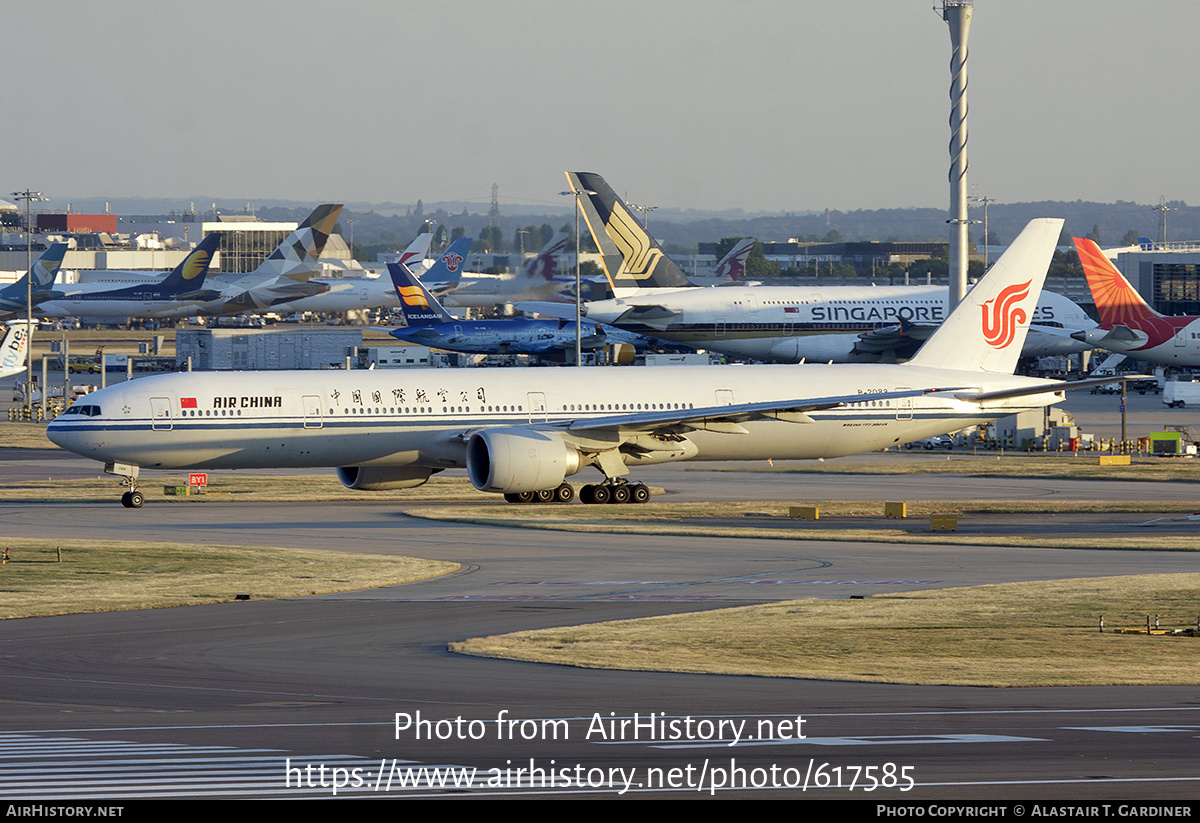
{"x": 758, "y": 104}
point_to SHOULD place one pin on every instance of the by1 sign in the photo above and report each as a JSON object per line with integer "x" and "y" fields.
{"x": 198, "y": 479}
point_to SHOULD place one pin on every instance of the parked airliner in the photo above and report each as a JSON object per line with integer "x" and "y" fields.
{"x": 14, "y": 296}
{"x": 428, "y": 324}
{"x": 785, "y": 324}
{"x": 523, "y": 432}
{"x": 1128, "y": 325}
{"x": 182, "y": 289}
{"x": 345, "y": 294}
{"x": 282, "y": 277}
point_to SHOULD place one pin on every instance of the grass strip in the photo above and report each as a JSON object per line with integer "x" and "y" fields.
{"x": 99, "y": 576}
{"x": 1014, "y": 634}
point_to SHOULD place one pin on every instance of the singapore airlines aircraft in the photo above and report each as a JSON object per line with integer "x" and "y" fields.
{"x": 1127, "y": 323}
{"x": 13, "y": 348}
{"x": 784, "y": 324}
{"x": 523, "y": 432}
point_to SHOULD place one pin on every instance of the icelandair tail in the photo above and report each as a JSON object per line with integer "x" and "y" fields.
{"x": 1116, "y": 300}
{"x": 419, "y": 306}
{"x": 449, "y": 266}
{"x": 13, "y": 348}
{"x": 986, "y": 331}
{"x": 296, "y": 257}
{"x": 190, "y": 273}
{"x": 632, "y": 258}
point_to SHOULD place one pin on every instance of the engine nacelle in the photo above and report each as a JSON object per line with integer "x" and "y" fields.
{"x": 383, "y": 478}
{"x": 519, "y": 460}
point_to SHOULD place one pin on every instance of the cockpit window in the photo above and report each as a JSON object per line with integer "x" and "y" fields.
{"x": 86, "y": 410}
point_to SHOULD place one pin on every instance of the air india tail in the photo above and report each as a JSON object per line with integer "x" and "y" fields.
{"x": 1118, "y": 302}
{"x": 986, "y": 331}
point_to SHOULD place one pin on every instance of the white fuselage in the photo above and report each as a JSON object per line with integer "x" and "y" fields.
{"x": 345, "y": 294}
{"x": 421, "y": 417}
{"x": 789, "y": 323}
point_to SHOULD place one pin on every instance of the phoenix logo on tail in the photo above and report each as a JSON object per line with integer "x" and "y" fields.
{"x": 1003, "y": 315}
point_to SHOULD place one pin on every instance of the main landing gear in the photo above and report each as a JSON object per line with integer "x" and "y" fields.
{"x": 619, "y": 492}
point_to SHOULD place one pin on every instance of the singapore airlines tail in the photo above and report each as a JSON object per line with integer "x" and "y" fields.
{"x": 987, "y": 329}
{"x": 1118, "y": 302}
{"x": 632, "y": 258}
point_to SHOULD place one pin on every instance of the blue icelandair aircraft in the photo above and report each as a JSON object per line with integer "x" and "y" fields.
{"x": 431, "y": 325}
{"x": 14, "y": 296}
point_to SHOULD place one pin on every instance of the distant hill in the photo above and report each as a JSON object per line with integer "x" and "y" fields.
{"x": 681, "y": 230}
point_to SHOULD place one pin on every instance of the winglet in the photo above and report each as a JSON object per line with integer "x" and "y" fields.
{"x": 1117, "y": 302}
{"x": 986, "y": 331}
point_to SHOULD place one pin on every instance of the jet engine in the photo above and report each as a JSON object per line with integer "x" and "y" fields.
{"x": 519, "y": 460}
{"x": 383, "y": 478}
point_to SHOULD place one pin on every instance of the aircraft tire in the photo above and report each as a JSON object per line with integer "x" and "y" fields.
{"x": 601, "y": 494}
{"x": 620, "y": 494}
{"x": 511, "y": 497}
{"x": 564, "y": 493}
{"x": 544, "y": 496}
{"x": 125, "y": 500}
{"x": 638, "y": 493}
{"x": 587, "y": 494}
{"x": 136, "y": 499}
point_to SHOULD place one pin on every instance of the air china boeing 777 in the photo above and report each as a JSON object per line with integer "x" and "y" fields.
{"x": 523, "y": 432}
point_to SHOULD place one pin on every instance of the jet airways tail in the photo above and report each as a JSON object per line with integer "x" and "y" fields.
{"x": 986, "y": 331}
{"x": 419, "y": 306}
{"x": 296, "y": 257}
{"x": 13, "y": 349}
{"x": 632, "y": 258}
{"x": 1118, "y": 302}
{"x": 449, "y": 266}
{"x": 190, "y": 273}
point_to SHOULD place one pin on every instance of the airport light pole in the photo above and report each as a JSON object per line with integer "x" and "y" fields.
{"x": 29, "y": 197}
{"x": 957, "y": 14}
{"x": 576, "y": 193}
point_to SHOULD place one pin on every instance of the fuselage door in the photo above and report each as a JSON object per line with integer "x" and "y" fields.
{"x": 724, "y": 397}
{"x": 537, "y": 406}
{"x": 904, "y": 405}
{"x": 160, "y": 413}
{"x": 312, "y": 412}
{"x": 1181, "y": 337}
